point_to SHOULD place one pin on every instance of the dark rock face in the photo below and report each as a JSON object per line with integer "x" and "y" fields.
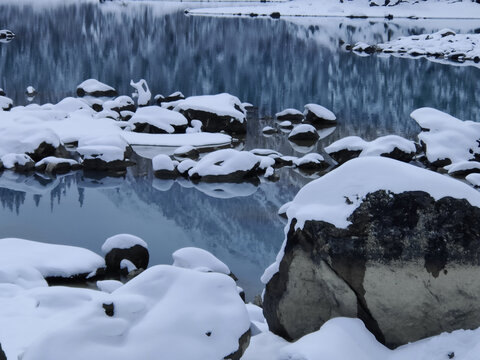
{"x": 137, "y": 254}
{"x": 44, "y": 150}
{"x": 166, "y": 174}
{"x": 98, "y": 93}
{"x": 236, "y": 176}
{"x": 110, "y": 166}
{"x": 243, "y": 343}
{"x": 342, "y": 156}
{"x": 304, "y": 137}
{"x": 312, "y": 118}
{"x": 216, "y": 123}
{"x": 152, "y": 129}
{"x": 407, "y": 266}
{"x": 2, "y": 354}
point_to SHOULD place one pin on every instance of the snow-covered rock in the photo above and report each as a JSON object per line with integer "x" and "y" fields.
{"x": 5, "y": 103}
{"x": 392, "y": 146}
{"x": 216, "y": 112}
{"x": 95, "y": 88}
{"x": 6, "y": 36}
{"x": 142, "y": 91}
{"x": 463, "y": 168}
{"x": 164, "y": 167}
{"x": 119, "y": 104}
{"x": 176, "y": 96}
{"x": 445, "y": 139}
{"x": 199, "y": 260}
{"x": 225, "y": 165}
{"x": 54, "y": 165}
{"x": 293, "y": 115}
{"x": 108, "y": 286}
{"x": 318, "y": 115}
{"x": 125, "y": 247}
{"x": 303, "y": 132}
{"x": 157, "y": 120}
{"x": 31, "y": 91}
{"x": 2, "y": 92}
{"x": 311, "y": 161}
{"x": 18, "y": 162}
{"x": 184, "y": 166}
{"x": 473, "y": 179}
{"x": 268, "y": 130}
{"x": 285, "y": 124}
{"x": 103, "y": 158}
{"x": 186, "y": 151}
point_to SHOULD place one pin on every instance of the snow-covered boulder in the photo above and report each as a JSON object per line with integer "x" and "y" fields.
{"x": 31, "y": 91}
{"x": 268, "y": 130}
{"x": 164, "y": 167}
{"x": 104, "y": 158}
{"x": 216, "y": 112}
{"x": 463, "y": 168}
{"x": 52, "y": 262}
{"x": 186, "y": 151}
{"x": 184, "y": 166}
{"x": 303, "y": 132}
{"x": 157, "y": 120}
{"x": 311, "y": 161}
{"x": 120, "y": 104}
{"x": 392, "y": 146}
{"x": 5, "y": 103}
{"x": 286, "y": 125}
{"x": 54, "y": 165}
{"x": 445, "y": 139}
{"x": 176, "y": 96}
{"x": 152, "y": 316}
{"x": 319, "y": 116}
{"x": 225, "y": 165}
{"x": 115, "y": 140}
{"x": 18, "y": 162}
{"x": 372, "y": 261}
{"x": 125, "y": 247}
{"x": 143, "y": 93}
{"x": 95, "y": 88}
{"x": 199, "y": 260}
{"x": 473, "y": 179}
{"x": 293, "y": 115}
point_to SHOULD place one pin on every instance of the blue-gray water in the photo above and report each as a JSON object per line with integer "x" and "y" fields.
{"x": 269, "y": 63}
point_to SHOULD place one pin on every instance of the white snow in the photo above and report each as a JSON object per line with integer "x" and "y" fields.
{"x": 175, "y": 140}
{"x": 473, "y": 166}
{"x": 311, "y": 158}
{"x": 163, "y": 162}
{"x": 220, "y": 104}
{"x": 293, "y": 112}
{"x": 352, "y": 143}
{"x": 115, "y": 140}
{"x": 30, "y": 90}
{"x": 185, "y": 165}
{"x": 182, "y": 150}
{"x": 10, "y": 160}
{"x": 143, "y": 92}
{"x": 320, "y": 112}
{"x": 119, "y": 102}
{"x": 108, "y": 286}
{"x": 23, "y": 138}
{"x": 93, "y": 85}
{"x": 48, "y": 259}
{"x": 269, "y": 172}
{"x": 106, "y": 153}
{"x": 159, "y": 117}
{"x": 128, "y": 265}
{"x": 377, "y": 147}
{"x": 224, "y": 162}
{"x": 302, "y": 129}
{"x": 473, "y": 179}
{"x": 268, "y": 129}
{"x": 199, "y": 260}
{"x": 122, "y": 241}
{"x": 447, "y": 137}
{"x": 55, "y": 160}
{"x": 5, "y": 102}
{"x": 266, "y": 152}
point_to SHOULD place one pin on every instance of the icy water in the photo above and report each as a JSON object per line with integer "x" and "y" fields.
{"x": 269, "y": 63}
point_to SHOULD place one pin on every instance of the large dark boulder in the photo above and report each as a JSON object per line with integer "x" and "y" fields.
{"x": 136, "y": 254}
{"x": 407, "y": 265}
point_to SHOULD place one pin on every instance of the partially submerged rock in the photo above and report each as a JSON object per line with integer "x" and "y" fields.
{"x": 312, "y": 161}
{"x": 164, "y": 167}
{"x": 6, "y": 36}
{"x": 350, "y": 250}
{"x": 95, "y": 88}
{"x": 303, "y": 132}
{"x": 186, "y": 151}
{"x": 221, "y": 112}
{"x": 18, "y": 162}
{"x": 104, "y": 158}
{"x": 5, "y": 103}
{"x": 157, "y": 120}
{"x": 319, "y": 116}
{"x": 293, "y": 115}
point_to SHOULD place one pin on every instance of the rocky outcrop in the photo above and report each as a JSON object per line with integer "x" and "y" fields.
{"x": 407, "y": 265}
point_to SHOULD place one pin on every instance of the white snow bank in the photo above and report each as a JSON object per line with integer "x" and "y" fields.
{"x": 224, "y": 162}
{"x": 122, "y": 241}
{"x": 220, "y": 104}
{"x": 446, "y": 137}
{"x": 320, "y": 112}
{"x": 159, "y": 117}
{"x": 48, "y": 259}
{"x": 164, "y": 313}
{"x": 199, "y": 259}
{"x": 106, "y": 153}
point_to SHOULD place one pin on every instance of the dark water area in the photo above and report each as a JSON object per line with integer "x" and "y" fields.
{"x": 269, "y": 63}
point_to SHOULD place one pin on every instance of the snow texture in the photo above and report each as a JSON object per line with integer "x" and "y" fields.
{"x": 122, "y": 241}
{"x": 92, "y": 85}
{"x": 381, "y": 145}
{"x": 224, "y": 162}
{"x": 199, "y": 260}
{"x": 143, "y": 92}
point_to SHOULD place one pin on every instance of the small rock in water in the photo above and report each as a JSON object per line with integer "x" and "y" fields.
{"x": 2, "y": 92}
{"x": 293, "y": 115}
{"x": 31, "y": 91}
{"x": 164, "y": 167}
{"x": 6, "y": 36}
{"x": 5, "y": 103}
{"x": 269, "y": 130}
{"x": 319, "y": 116}
{"x": 303, "y": 132}
{"x": 125, "y": 247}
{"x": 286, "y": 124}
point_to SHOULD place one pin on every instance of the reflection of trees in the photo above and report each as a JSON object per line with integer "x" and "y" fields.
{"x": 11, "y": 199}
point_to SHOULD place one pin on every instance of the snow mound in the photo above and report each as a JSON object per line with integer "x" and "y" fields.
{"x": 226, "y": 164}
{"x": 122, "y": 241}
{"x": 199, "y": 259}
{"x": 303, "y": 132}
{"x": 93, "y": 87}
{"x": 153, "y": 316}
{"x": 106, "y": 153}
{"x": 163, "y": 162}
{"x": 10, "y": 161}
{"x": 26, "y": 139}
{"x": 290, "y": 114}
{"x": 311, "y": 160}
{"x": 158, "y": 119}
{"x": 108, "y": 286}
{"x": 48, "y": 259}
{"x": 114, "y": 140}
{"x": 142, "y": 92}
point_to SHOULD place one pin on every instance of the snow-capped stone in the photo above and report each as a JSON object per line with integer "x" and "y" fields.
{"x": 195, "y": 127}
{"x": 266, "y": 162}
{"x": 312, "y": 161}
{"x": 445, "y": 139}
{"x": 266, "y": 152}
{"x": 392, "y": 146}
{"x": 318, "y": 115}
{"x": 54, "y": 165}
{"x": 157, "y": 120}
{"x": 2, "y": 92}
{"x": 286, "y": 124}
{"x": 303, "y": 132}
{"x": 473, "y": 179}
{"x": 269, "y": 130}
{"x": 186, "y": 151}
{"x": 6, "y": 36}
{"x": 199, "y": 260}
{"x": 125, "y": 247}
{"x": 164, "y": 167}
{"x": 293, "y": 115}
{"x": 216, "y": 112}
{"x": 115, "y": 140}
{"x": 282, "y": 211}
{"x": 176, "y": 96}
{"x": 18, "y": 162}
{"x": 5, "y": 103}
{"x": 184, "y": 166}
{"x": 31, "y": 91}
{"x": 463, "y": 168}
{"x": 95, "y": 88}
{"x": 103, "y": 158}
{"x": 225, "y": 165}
{"x": 120, "y": 104}
{"x": 51, "y": 261}
{"x": 143, "y": 92}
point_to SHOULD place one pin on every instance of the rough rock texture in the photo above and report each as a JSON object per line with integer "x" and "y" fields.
{"x": 2, "y": 354}
{"x": 407, "y": 266}
{"x": 243, "y": 343}
{"x": 342, "y": 156}
{"x": 216, "y": 123}
{"x": 137, "y": 254}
